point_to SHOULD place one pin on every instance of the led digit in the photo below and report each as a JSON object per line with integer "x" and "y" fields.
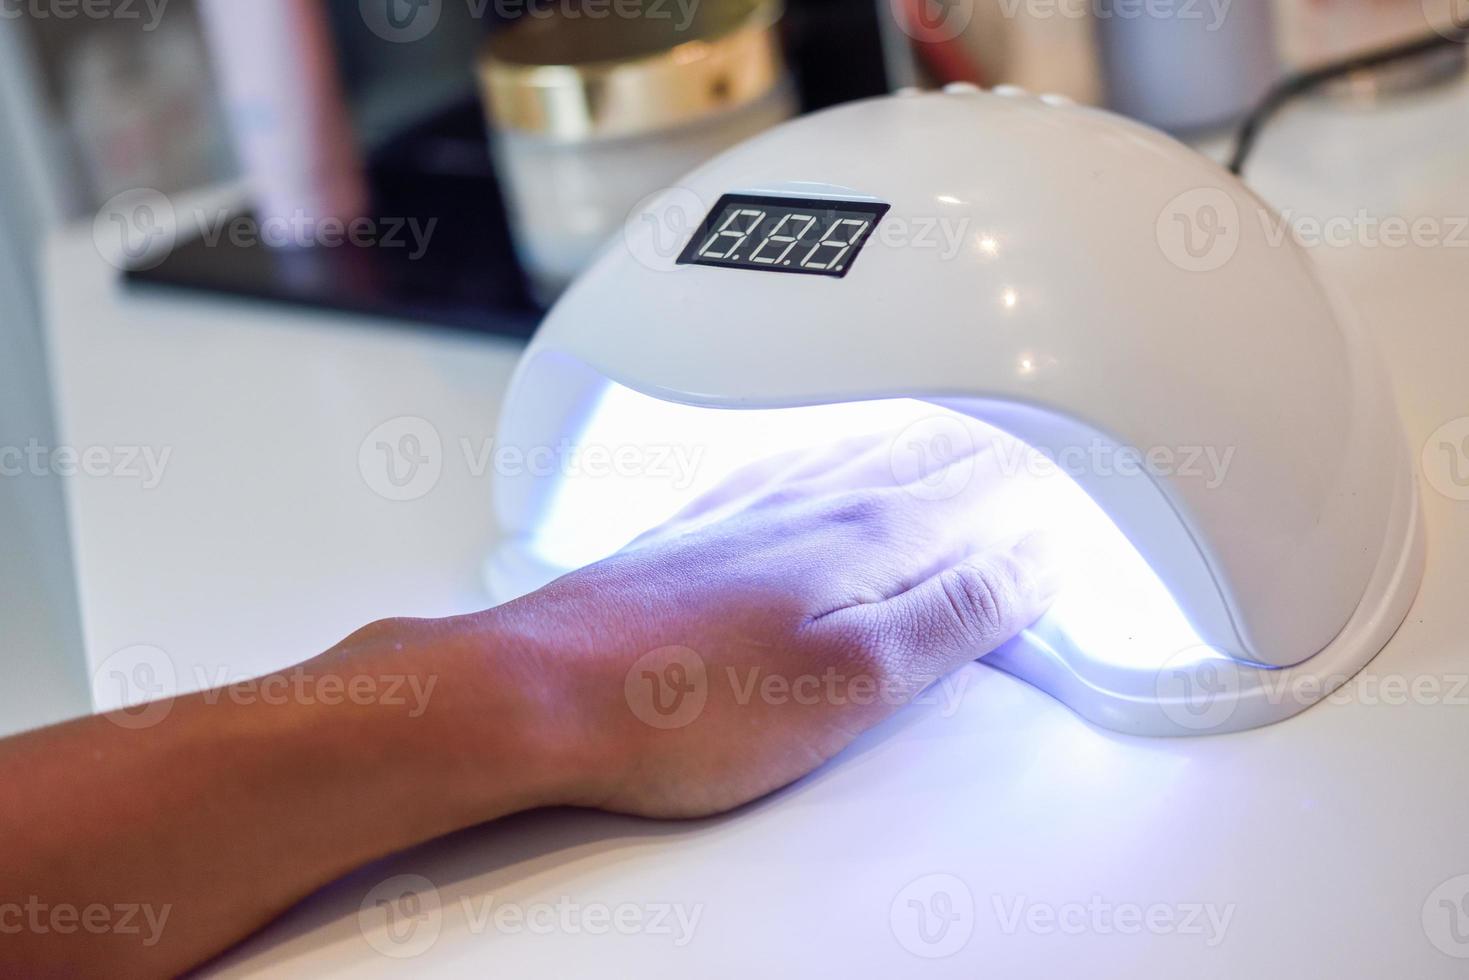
{"x": 726, "y": 232}
{"x": 789, "y": 241}
{"x": 842, "y": 245}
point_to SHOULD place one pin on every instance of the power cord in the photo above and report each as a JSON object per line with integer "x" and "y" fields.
{"x": 1293, "y": 86}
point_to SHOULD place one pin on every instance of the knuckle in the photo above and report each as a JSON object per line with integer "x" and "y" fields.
{"x": 785, "y": 496}
{"x": 980, "y": 598}
{"x": 861, "y": 508}
{"x": 862, "y": 648}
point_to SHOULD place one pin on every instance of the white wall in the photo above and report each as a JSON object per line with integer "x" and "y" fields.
{"x": 42, "y": 665}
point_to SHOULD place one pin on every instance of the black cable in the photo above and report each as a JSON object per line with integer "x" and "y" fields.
{"x": 1296, "y": 85}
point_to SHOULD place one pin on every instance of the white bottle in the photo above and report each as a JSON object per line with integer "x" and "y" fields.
{"x": 282, "y": 91}
{"x": 1187, "y": 68}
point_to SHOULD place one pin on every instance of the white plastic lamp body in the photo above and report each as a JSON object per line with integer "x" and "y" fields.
{"x": 1090, "y": 288}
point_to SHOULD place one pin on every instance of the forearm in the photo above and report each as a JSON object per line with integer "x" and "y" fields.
{"x": 660, "y": 682}
{"x": 204, "y": 826}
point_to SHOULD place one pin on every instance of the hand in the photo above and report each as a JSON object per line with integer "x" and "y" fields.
{"x": 741, "y": 646}
{"x": 719, "y": 658}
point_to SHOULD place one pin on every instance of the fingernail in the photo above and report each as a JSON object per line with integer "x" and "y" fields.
{"x": 1039, "y": 557}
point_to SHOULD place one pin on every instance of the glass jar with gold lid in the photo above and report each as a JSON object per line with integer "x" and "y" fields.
{"x": 595, "y": 105}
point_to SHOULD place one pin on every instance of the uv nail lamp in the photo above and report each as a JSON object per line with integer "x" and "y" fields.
{"x": 1219, "y": 449}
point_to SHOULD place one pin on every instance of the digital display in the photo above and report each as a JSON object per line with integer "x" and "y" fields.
{"x": 784, "y": 234}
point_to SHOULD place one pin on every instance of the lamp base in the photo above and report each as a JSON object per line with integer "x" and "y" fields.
{"x": 1198, "y": 691}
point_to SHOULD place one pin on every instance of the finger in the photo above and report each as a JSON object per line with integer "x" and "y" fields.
{"x": 761, "y": 479}
{"x": 731, "y": 494}
{"x": 973, "y": 507}
{"x": 923, "y": 450}
{"x": 963, "y": 612}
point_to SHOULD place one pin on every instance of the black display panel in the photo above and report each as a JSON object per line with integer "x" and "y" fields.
{"x": 808, "y": 236}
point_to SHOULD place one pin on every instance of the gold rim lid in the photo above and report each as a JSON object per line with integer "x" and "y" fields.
{"x": 570, "y": 76}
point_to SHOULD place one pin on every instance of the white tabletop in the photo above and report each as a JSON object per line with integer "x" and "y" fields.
{"x": 1324, "y": 846}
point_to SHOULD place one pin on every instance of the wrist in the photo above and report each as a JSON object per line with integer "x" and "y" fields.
{"x": 527, "y": 712}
